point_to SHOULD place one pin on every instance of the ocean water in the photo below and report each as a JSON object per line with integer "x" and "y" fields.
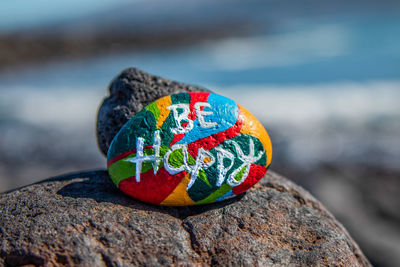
{"x": 318, "y": 50}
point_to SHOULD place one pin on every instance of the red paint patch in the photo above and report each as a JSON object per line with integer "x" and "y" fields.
{"x": 151, "y": 188}
{"x": 212, "y": 141}
{"x": 194, "y": 98}
{"x": 255, "y": 175}
{"x": 176, "y": 138}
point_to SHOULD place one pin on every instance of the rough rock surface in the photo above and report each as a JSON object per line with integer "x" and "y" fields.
{"x": 130, "y": 92}
{"x": 82, "y": 219}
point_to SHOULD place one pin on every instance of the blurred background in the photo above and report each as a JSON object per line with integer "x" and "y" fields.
{"x": 322, "y": 76}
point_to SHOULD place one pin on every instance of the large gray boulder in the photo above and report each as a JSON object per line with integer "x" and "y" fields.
{"x": 130, "y": 92}
{"x": 83, "y": 219}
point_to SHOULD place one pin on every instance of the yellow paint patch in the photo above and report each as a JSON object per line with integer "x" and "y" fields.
{"x": 162, "y": 105}
{"x": 253, "y": 127}
{"x": 179, "y": 197}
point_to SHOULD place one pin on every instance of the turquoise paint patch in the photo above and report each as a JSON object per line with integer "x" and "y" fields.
{"x": 227, "y": 195}
{"x": 180, "y": 98}
{"x": 225, "y": 113}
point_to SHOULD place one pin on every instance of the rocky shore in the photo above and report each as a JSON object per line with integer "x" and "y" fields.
{"x": 83, "y": 219}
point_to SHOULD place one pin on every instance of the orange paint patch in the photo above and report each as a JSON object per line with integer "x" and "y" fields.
{"x": 179, "y": 195}
{"x": 253, "y": 127}
{"x": 207, "y": 160}
{"x": 162, "y": 105}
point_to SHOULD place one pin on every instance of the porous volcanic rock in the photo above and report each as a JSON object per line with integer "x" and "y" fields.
{"x": 130, "y": 92}
{"x": 83, "y": 219}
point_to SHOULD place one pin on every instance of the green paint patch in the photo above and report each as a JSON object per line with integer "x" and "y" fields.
{"x": 199, "y": 190}
{"x": 153, "y": 108}
{"x": 203, "y": 176}
{"x": 123, "y": 169}
{"x": 191, "y": 160}
{"x": 239, "y": 175}
{"x": 225, "y": 188}
{"x": 176, "y": 158}
{"x": 166, "y": 135}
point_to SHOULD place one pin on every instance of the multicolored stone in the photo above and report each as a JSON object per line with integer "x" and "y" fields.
{"x": 188, "y": 149}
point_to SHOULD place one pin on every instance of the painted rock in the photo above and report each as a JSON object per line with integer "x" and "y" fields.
{"x": 188, "y": 149}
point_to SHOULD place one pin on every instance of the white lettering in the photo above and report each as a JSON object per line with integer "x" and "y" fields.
{"x": 221, "y": 155}
{"x": 181, "y": 117}
{"x": 140, "y": 157}
{"x": 200, "y": 164}
{"x": 247, "y": 161}
{"x": 201, "y": 113}
{"x": 204, "y": 160}
{"x": 192, "y": 169}
{"x": 181, "y": 114}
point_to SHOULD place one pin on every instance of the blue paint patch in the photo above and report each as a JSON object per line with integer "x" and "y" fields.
{"x": 225, "y": 113}
{"x": 227, "y": 195}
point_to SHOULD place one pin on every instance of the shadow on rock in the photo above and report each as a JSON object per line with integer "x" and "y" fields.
{"x": 97, "y": 185}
